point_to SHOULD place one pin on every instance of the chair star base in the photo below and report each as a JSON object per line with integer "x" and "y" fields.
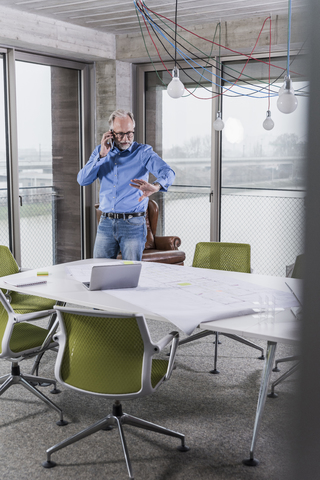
{"x": 117, "y": 418}
{"x": 28, "y": 382}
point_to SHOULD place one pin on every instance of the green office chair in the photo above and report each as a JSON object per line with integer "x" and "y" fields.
{"x": 297, "y": 272}
{"x": 111, "y": 356}
{"x": 20, "y": 302}
{"x": 20, "y": 340}
{"x": 233, "y": 257}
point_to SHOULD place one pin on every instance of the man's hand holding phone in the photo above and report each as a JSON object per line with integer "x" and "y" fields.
{"x": 106, "y": 143}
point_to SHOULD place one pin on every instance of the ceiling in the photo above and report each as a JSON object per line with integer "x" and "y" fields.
{"x": 119, "y": 16}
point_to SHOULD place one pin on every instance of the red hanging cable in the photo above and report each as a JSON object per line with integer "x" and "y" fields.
{"x": 217, "y": 44}
{"x": 228, "y": 89}
{"x": 155, "y": 46}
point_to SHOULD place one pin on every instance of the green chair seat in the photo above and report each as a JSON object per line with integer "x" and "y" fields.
{"x": 21, "y": 303}
{"x": 26, "y": 336}
{"x": 158, "y": 370}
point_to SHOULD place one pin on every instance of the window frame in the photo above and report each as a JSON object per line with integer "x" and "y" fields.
{"x": 86, "y": 135}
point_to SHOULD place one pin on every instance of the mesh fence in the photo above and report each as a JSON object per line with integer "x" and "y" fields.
{"x": 272, "y": 223}
{"x": 37, "y": 225}
{"x": 186, "y": 215}
{"x": 4, "y": 222}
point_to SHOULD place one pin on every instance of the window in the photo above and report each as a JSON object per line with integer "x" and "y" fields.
{"x": 180, "y": 129}
{"x": 180, "y": 132}
{"x": 263, "y": 172}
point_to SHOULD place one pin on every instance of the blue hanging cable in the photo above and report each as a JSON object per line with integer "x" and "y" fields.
{"x": 187, "y": 57}
{"x": 289, "y": 35}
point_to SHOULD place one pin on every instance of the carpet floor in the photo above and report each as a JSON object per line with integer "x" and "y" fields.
{"x": 215, "y": 412}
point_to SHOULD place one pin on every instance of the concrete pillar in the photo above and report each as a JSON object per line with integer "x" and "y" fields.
{"x": 113, "y": 91}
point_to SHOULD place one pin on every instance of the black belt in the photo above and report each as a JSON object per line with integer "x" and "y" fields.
{"x": 122, "y": 215}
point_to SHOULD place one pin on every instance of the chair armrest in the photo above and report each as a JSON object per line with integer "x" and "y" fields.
{"x": 161, "y": 344}
{"x": 174, "y": 337}
{"x": 167, "y": 243}
{"x": 28, "y": 317}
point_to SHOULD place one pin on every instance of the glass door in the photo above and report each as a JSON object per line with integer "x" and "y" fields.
{"x": 4, "y": 183}
{"x": 48, "y": 124}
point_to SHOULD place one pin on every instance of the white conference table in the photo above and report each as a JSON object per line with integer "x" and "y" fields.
{"x": 283, "y": 329}
{"x": 150, "y": 300}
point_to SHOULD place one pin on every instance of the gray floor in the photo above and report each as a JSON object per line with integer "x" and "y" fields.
{"x": 215, "y": 412}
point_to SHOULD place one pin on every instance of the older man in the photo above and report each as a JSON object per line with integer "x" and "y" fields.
{"x": 123, "y": 166}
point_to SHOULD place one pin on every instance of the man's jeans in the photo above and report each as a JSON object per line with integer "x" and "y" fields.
{"x": 126, "y": 235}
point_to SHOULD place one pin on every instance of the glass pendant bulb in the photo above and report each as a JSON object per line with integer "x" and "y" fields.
{"x": 287, "y": 101}
{"x": 268, "y": 124}
{"x": 218, "y": 124}
{"x": 175, "y": 88}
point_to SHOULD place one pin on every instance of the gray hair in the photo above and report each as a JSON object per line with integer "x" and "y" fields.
{"x": 120, "y": 113}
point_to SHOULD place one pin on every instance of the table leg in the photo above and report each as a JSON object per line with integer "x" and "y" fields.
{"x": 270, "y": 355}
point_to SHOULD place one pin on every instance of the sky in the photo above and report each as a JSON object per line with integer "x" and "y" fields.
{"x": 33, "y": 106}
{"x": 189, "y": 117}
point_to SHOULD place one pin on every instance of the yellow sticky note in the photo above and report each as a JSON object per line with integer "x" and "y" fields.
{"x": 183, "y": 284}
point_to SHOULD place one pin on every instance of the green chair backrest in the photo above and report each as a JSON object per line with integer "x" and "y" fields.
{"x": 234, "y": 257}
{"x": 4, "y": 317}
{"x": 3, "y": 323}
{"x": 102, "y": 354}
{"x": 8, "y": 265}
{"x": 297, "y": 271}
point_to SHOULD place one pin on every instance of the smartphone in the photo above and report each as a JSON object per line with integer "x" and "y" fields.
{"x": 110, "y": 141}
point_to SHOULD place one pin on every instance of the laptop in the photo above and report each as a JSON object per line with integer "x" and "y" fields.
{"x": 105, "y": 277}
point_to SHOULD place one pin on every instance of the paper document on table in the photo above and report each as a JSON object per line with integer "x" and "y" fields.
{"x": 187, "y": 296}
{"x": 25, "y": 281}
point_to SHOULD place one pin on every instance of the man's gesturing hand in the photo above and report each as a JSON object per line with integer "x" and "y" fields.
{"x": 146, "y": 188}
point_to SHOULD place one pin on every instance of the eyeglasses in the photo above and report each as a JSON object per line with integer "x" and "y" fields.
{"x": 121, "y": 135}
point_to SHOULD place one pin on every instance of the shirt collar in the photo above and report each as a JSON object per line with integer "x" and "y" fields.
{"x": 123, "y": 151}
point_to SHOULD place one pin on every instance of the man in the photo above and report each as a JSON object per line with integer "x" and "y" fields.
{"x": 123, "y": 168}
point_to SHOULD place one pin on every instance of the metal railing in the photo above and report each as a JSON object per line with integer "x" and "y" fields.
{"x": 271, "y": 221}
{"x": 37, "y": 225}
{"x": 185, "y": 212}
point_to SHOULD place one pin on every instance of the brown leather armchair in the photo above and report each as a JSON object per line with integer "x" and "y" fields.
{"x": 157, "y": 249}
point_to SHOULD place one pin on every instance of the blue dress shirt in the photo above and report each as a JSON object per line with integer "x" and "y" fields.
{"x": 117, "y": 169}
